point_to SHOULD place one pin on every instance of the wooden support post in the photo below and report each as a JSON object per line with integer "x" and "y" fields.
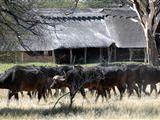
{"x": 130, "y": 54}
{"x": 71, "y": 56}
{"x": 85, "y": 55}
{"x": 145, "y": 56}
{"x": 100, "y": 55}
{"x": 115, "y": 53}
{"x": 16, "y": 57}
{"x": 45, "y": 53}
{"x": 53, "y": 57}
{"x": 109, "y": 54}
{"x": 22, "y": 57}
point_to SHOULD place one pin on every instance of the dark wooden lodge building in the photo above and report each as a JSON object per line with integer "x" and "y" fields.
{"x": 86, "y": 36}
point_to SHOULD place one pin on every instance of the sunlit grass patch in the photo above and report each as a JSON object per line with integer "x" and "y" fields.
{"x": 6, "y": 66}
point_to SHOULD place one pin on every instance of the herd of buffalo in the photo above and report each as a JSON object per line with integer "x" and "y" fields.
{"x": 100, "y": 78}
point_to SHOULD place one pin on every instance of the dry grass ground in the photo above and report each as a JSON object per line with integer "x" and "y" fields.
{"x": 132, "y": 108}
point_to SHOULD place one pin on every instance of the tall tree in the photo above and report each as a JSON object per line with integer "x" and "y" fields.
{"x": 147, "y": 11}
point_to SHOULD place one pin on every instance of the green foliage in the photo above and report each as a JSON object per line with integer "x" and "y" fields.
{"x": 104, "y": 3}
{"x": 57, "y": 4}
{"x": 5, "y": 66}
{"x": 98, "y": 3}
{"x": 81, "y": 4}
{"x": 70, "y": 3}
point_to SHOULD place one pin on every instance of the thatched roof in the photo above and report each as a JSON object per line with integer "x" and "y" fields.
{"x": 83, "y": 28}
{"x": 80, "y": 29}
{"x": 124, "y": 30}
{"x": 77, "y": 30}
{"x": 30, "y": 42}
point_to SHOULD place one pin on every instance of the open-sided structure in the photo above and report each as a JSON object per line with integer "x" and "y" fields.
{"x": 109, "y": 34}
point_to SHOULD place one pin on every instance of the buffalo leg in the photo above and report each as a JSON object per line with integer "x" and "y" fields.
{"x": 10, "y": 94}
{"x": 16, "y": 96}
{"x": 131, "y": 87}
{"x": 140, "y": 89}
{"x": 121, "y": 90}
{"x": 97, "y": 97}
{"x": 72, "y": 94}
{"x": 109, "y": 93}
{"x": 91, "y": 92}
{"x": 137, "y": 91}
{"x": 73, "y": 90}
{"x": 104, "y": 95}
{"x": 144, "y": 89}
{"x": 29, "y": 94}
{"x": 71, "y": 99}
{"x": 100, "y": 93}
{"x": 114, "y": 90}
{"x": 40, "y": 93}
{"x": 82, "y": 91}
{"x": 130, "y": 90}
{"x": 63, "y": 90}
{"x": 153, "y": 86}
{"x": 44, "y": 94}
{"x": 39, "y": 96}
{"x": 56, "y": 92}
{"x": 50, "y": 92}
{"x": 156, "y": 91}
{"x": 34, "y": 93}
{"x": 22, "y": 94}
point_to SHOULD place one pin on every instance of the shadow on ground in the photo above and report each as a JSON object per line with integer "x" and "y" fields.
{"x": 77, "y": 110}
{"x": 65, "y": 110}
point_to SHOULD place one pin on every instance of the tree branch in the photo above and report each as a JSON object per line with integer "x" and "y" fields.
{"x": 140, "y": 13}
{"x": 158, "y": 7}
{"x": 151, "y": 17}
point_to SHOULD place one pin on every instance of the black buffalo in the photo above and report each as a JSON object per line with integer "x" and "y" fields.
{"x": 19, "y": 78}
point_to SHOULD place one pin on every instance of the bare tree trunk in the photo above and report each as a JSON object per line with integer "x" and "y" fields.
{"x": 147, "y": 11}
{"x": 152, "y": 52}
